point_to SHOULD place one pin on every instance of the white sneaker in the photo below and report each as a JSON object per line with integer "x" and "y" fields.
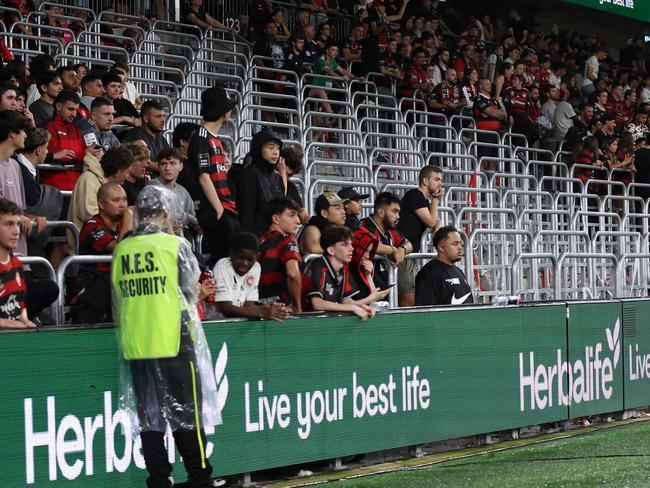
{"x": 218, "y": 482}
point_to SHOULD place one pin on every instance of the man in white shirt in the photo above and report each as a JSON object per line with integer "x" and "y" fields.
{"x": 237, "y": 278}
{"x": 591, "y": 70}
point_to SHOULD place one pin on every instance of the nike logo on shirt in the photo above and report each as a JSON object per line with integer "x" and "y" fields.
{"x": 458, "y": 301}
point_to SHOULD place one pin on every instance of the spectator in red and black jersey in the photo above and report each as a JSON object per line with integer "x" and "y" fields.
{"x": 99, "y": 237}
{"x": 616, "y": 105}
{"x": 66, "y": 143}
{"x": 205, "y": 176}
{"x": 587, "y": 155}
{"x": 380, "y": 21}
{"x": 415, "y": 79}
{"x": 352, "y": 48}
{"x": 389, "y": 67}
{"x": 327, "y": 284}
{"x": 279, "y": 255}
{"x": 489, "y": 116}
{"x": 517, "y": 102}
{"x": 629, "y": 108}
{"x": 383, "y": 225}
{"x": 534, "y": 107}
{"x": 465, "y": 61}
{"x": 362, "y": 268}
{"x": 447, "y": 97}
{"x": 20, "y": 301}
{"x": 543, "y": 74}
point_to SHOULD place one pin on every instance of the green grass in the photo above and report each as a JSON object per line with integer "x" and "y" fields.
{"x": 617, "y": 457}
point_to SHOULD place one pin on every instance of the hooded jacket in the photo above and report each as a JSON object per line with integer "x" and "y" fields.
{"x": 83, "y": 203}
{"x": 258, "y": 184}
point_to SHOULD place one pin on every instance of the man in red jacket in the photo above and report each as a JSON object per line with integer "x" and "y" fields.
{"x": 66, "y": 144}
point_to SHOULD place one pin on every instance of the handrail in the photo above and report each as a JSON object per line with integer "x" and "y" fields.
{"x": 620, "y": 270}
{"x": 515, "y": 277}
{"x": 66, "y": 224}
{"x": 584, "y": 256}
{"x": 60, "y": 279}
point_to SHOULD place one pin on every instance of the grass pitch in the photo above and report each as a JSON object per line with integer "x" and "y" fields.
{"x": 616, "y": 457}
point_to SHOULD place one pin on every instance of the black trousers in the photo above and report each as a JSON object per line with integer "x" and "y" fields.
{"x": 168, "y": 391}
{"x": 218, "y": 235}
{"x": 92, "y": 303}
{"x": 40, "y": 295}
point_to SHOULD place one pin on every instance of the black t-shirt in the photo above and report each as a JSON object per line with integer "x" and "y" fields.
{"x": 410, "y": 225}
{"x": 642, "y": 164}
{"x": 132, "y": 190}
{"x": 294, "y": 194}
{"x": 440, "y": 284}
{"x": 320, "y": 280}
{"x": 124, "y": 107}
{"x": 518, "y": 27}
{"x": 155, "y": 144}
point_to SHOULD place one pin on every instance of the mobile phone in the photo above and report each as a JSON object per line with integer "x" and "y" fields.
{"x": 388, "y": 287}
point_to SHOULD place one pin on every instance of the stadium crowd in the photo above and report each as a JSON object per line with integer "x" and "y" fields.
{"x": 103, "y": 141}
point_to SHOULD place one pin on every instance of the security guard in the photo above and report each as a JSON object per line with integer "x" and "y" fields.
{"x": 155, "y": 284}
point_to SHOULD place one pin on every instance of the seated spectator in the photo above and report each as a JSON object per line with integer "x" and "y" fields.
{"x": 195, "y": 14}
{"x": 639, "y": 126}
{"x": 353, "y": 206}
{"x": 170, "y": 163}
{"x": 564, "y": 117}
{"x": 42, "y": 200}
{"x": 440, "y": 282}
{"x": 326, "y": 65}
{"x": 99, "y": 168}
{"x": 327, "y": 284}
{"x": 329, "y": 210}
{"x": 98, "y": 237}
{"x": 353, "y": 45}
{"x": 38, "y": 66}
{"x": 12, "y": 139}
{"x": 49, "y": 86}
{"x": 607, "y": 128}
{"x": 292, "y": 166}
{"x": 182, "y": 135}
{"x": 69, "y": 78}
{"x": 125, "y": 111}
{"x": 96, "y": 129}
{"x": 415, "y": 82}
{"x": 7, "y": 96}
{"x": 588, "y": 155}
{"x": 135, "y": 179}
{"x": 282, "y": 33}
{"x": 362, "y": 268}
{"x": 66, "y": 145}
{"x": 383, "y": 225}
{"x": 447, "y": 98}
{"x": 260, "y": 182}
{"x": 130, "y": 93}
{"x": 151, "y": 128}
{"x": 237, "y": 278}
{"x": 279, "y": 255}
{"x": 91, "y": 88}
{"x": 22, "y": 300}
{"x": 517, "y": 100}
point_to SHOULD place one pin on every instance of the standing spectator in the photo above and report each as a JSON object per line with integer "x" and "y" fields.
{"x": 292, "y": 166}
{"x": 464, "y": 62}
{"x": 447, "y": 97}
{"x": 327, "y": 284}
{"x": 205, "y": 176}
{"x": 600, "y": 103}
{"x": 518, "y": 99}
{"x": 592, "y": 67}
{"x": 553, "y": 97}
{"x": 97, "y": 128}
{"x": 353, "y": 206}
{"x": 99, "y": 236}
{"x": 564, "y": 117}
{"x": 615, "y": 104}
{"x": 419, "y": 212}
{"x": 639, "y": 126}
{"x": 329, "y": 209}
{"x": 260, "y": 182}
{"x": 503, "y": 80}
{"x": 440, "y": 65}
{"x": 415, "y": 82}
{"x": 326, "y": 65}
{"x": 49, "y": 86}
{"x": 111, "y": 167}
{"x": 280, "y": 257}
{"x": 66, "y": 143}
{"x": 393, "y": 245}
{"x": 195, "y": 14}
{"x": 170, "y": 163}
{"x": 151, "y": 128}
{"x": 237, "y": 279}
{"x": 518, "y": 27}
{"x": 489, "y": 116}
{"x": 389, "y": 67}
{"x": 440, "y": 282}
{"x": 282, "y": 33}
{"x": 353, "y": 46}
{"x": 20, "y": 301}
{"x": 470, "y": 88}
{"x": 267, "y": 46}
{"x": 136, "y": 177}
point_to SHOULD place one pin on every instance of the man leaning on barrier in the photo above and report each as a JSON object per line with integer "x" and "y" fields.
{"x": 440, "y": 282}
{"x": 167, "y": 378}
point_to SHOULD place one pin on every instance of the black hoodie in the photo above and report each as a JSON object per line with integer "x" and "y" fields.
{"x": 258, "y": 184}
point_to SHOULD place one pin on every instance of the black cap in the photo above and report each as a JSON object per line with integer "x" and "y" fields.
{"x": 215, "y": 102}
{"x": 349, "y": 193}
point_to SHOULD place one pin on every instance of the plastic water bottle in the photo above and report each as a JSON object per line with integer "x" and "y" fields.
{"x": 206, "y": 277}
{"x": 503, "y": 300}
{"x": 381, "y": 306}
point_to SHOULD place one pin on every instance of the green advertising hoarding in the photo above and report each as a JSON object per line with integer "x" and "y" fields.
{"x": 637, "y": 9}
{"x": 636, "y": 338}
{"x": 304, "y": 390}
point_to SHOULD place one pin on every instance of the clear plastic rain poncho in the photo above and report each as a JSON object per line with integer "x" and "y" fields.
{"x": 155, "y": 402}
